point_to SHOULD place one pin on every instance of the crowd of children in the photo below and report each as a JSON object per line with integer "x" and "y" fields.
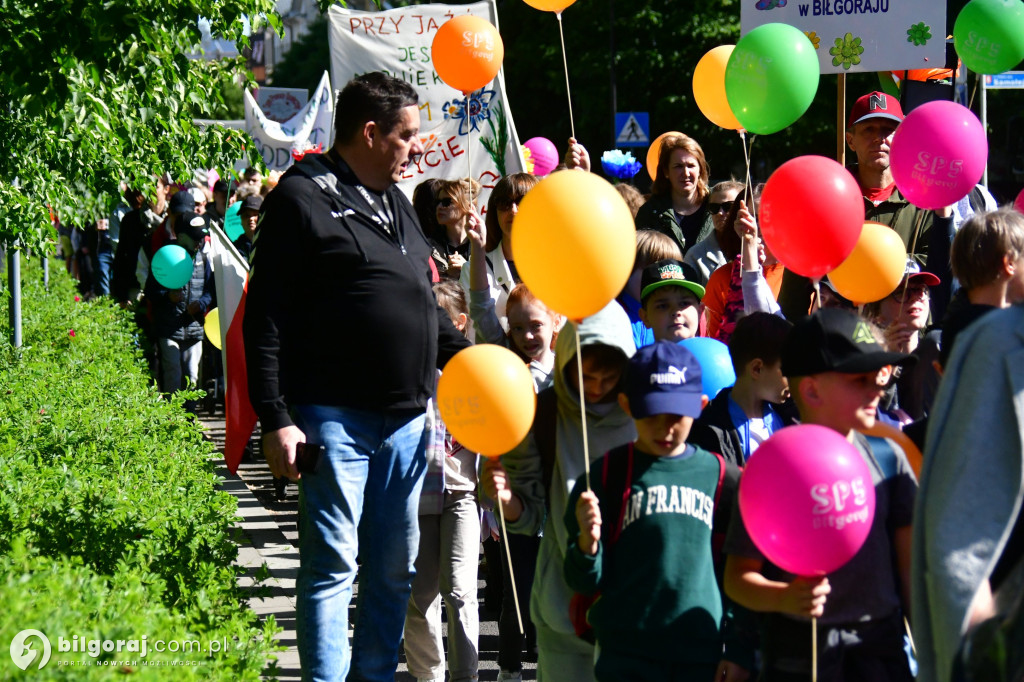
{"x": 644, "y": 570}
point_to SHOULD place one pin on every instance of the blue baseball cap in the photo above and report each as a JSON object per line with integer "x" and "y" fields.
{"x": 664, "y": 378}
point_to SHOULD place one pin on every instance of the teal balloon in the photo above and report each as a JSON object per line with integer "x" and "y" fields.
{"x": 989, "y": 35}
{"x": 233, "y": 221}
{"x": 172, "y": 266}
{"x": 771, "y": 78}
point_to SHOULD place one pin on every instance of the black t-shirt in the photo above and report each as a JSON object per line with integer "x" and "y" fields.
{"x": 691, "y": 225}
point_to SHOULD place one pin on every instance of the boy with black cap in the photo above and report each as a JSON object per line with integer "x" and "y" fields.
{"x": 669, "y": 303}
{"x": 642, "y": 536}
{"x": 833, "y": 362}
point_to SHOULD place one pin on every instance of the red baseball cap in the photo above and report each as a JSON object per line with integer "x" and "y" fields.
{"x": 876, "y": 105}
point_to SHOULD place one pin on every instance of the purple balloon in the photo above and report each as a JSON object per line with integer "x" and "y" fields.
{"x": 544, "y": 154}
{"x": 938, "y": 154}
{"x": 807, "y": 499}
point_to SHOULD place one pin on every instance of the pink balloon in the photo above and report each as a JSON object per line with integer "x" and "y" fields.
{"x": 807, "y": 499}
{"x": 812, "y": 213}
{"x": 544, "y": 154}
{"x": 938, "y": 154}
{"x": 1019, "y": 202}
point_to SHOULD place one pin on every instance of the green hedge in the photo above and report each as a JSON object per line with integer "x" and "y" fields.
{"x": 111, "y": 526}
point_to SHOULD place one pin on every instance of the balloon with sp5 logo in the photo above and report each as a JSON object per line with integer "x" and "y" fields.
{"x": 486, "y": 398}
{"x": 807, "y": 499}
{"x": 467, "y": 52}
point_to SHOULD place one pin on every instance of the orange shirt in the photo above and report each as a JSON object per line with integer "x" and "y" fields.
{"x": 716, "y": 293}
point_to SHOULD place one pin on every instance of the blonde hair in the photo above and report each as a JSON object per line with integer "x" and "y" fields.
{"x": 463, "y": 192}
{"x": 662, "y": 186}
{"x": 653, "y": 246}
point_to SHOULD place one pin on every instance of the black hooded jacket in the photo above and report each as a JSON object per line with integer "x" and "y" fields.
{"x": 340, "y": 309}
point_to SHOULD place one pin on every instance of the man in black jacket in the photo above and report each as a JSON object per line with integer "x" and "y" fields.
{"x": 342, "y": 338}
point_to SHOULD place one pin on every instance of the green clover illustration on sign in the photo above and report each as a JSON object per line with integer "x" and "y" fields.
{"x": 919, "y": 34}
{"x": 847, "y": 51}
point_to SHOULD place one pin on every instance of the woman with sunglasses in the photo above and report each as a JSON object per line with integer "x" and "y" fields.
{"x": 454, "y": 205}
{"x": 717, "y": 248}
{"x": 678, "y": 203}
{"x": 496, "y": 256}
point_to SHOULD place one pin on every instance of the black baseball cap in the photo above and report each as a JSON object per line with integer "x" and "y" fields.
{"x": 835, "y": 340}
{"x": 664, "y": 378}
{"x": 253, "y": 202}
{"x": 181, "y": 202}
{"x": 191, "y": 230}
{"x": 664, "y": 273}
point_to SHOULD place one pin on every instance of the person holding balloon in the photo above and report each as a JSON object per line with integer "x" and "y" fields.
{"x": 533, "y": 481}
{"x": 834, "y": 556}
{"x": 494, "y": 260}
{"x": 637, "y": 538}
{"x": 723, "y": 244}
{"x": 871, "y": 129}
{"x": 454, "y": 204}
{"x": 180, "y": 290}
{"x": 678, "y": 203}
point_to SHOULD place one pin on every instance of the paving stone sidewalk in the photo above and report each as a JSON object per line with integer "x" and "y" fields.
{"x": 270, "y": 530}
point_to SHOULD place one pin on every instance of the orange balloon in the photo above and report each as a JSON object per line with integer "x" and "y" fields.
{"x": 709, "y": 88}
{"x": 574, "y": 242}
{"x": 486, "y": 399}
{"x": 912, "y": 452}
{"x": 467, "y": 52}
{"x": 555, "y": 6}
{"x": 652, "y": 153}
{"x": 875, "y": 267}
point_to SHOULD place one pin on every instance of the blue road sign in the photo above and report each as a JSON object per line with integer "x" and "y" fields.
{"x": 632, "y": 129}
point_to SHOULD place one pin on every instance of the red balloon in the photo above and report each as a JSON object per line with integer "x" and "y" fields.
{"x": 1018, "y": 203}
{"x": 812, "y": 212}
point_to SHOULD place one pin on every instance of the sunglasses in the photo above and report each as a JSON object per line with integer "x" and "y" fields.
{"x": 445, "y": 202}
{"x": 717, "y": 208}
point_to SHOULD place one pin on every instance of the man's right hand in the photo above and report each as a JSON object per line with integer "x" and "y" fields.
{"x": 279, "y": 451}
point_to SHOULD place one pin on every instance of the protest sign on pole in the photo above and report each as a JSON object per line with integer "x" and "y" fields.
{"x": 861, "y": 35}
{"x": 313, "y": 125}
{"x": 398, "y": 42}
{"x": 280, "y": 104}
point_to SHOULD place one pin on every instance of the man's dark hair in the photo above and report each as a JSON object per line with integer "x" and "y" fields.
{"x": 758, "y": 335}
{"x": 374, "y": 97}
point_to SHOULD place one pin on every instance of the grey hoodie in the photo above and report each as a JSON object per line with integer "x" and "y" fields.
{"x": 607, "y": 427}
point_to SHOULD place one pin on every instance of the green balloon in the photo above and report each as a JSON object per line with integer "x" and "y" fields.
{"x": 989, "y": 35}
{"x": 233, "y": 222}
{"x": 172, "y": 266}
{"x": 771, "y": 78}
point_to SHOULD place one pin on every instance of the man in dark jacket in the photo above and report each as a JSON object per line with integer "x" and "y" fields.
{"x": 342, "y": 338}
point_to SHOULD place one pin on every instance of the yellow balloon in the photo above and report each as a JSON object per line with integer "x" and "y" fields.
{"x": 212, "y": 327}
{"x": 486, "y": 399}
{"x": 875, "y": 267}
{"x": 574, "y": 242}
{"x": 652, "y": 153}
{"x": 555, "y": 6}
{"x": 709, "y": 88}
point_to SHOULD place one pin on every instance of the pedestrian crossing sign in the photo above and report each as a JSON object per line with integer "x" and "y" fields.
{"x": 632, "y": 129}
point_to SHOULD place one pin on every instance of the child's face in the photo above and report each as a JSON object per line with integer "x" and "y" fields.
{"x": 598, "y": 383}
{"x": 909, "y": 304}
{"x": 530, "y": 326}
{"x": 672, "y": 313}
{"x": 771, "y": 384}
{"x": 845, "y": 401}
{"x": 663, "y": 435}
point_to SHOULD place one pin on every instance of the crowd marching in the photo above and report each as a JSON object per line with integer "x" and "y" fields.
{"x": 646, "y": 570}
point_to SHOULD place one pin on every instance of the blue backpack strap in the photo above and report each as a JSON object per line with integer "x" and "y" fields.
{"x": 884, "y": 454}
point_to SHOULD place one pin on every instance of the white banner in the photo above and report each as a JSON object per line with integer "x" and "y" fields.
{"x": 311, "y": 126}
{"x": 398, "y": 42}
{"x": 280, "y": 104}
{"x": 861, "y": 35}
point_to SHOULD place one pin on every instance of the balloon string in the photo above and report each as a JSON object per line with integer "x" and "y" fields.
{"x": 913, "y": 245}
{"x": 568, "y": 92}
{"x": 814, "y": 649}
{"x": 748, "y": 183}
{"x": 469, "y": 150}
{"x": 974, "y": 91}
{"x": 910, "y": 636}
{"x": 817, "y": 294}
{"x": 583, "y": 408}
{"x": 511, "y": 575}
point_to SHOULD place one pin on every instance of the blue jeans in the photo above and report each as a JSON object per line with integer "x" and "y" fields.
{"x": 362, "y": 502}
{"x": 104, "y": 269}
